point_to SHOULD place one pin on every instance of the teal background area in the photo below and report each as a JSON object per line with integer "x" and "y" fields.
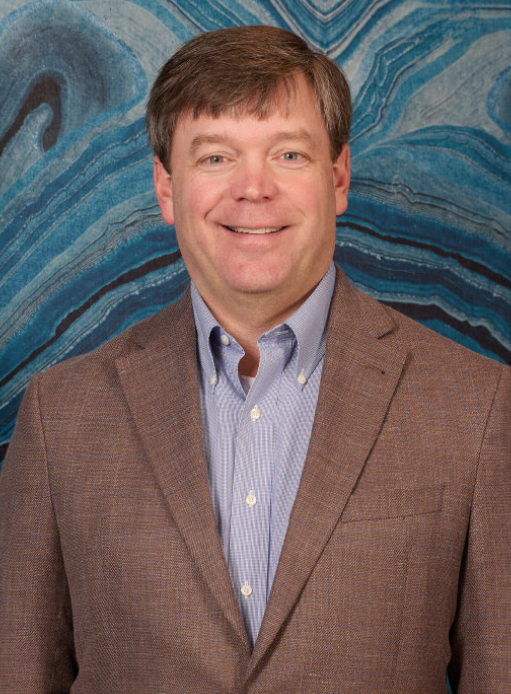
{"x": 84, "y": 251}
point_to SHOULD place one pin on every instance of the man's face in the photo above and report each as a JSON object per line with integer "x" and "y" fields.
{"x": 254, "y": 201}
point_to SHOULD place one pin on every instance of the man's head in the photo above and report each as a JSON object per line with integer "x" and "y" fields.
{"x": 251, "y": 166}
{"x": 241, "y": 71}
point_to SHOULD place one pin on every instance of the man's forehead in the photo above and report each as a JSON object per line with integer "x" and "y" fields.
{"x": 286, "y": 113}
{"x": 282, "y": 101}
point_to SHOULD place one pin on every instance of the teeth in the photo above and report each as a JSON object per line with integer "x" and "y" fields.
{"x": 262, "y": 230}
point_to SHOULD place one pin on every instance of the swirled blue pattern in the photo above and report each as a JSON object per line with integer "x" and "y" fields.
{"x": 84, "y": 251}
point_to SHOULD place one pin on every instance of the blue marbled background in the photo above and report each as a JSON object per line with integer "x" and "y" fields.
{"x": 84, "y": 252}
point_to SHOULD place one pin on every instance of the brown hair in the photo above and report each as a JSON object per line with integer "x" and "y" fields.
{"x": 241, "y": 70}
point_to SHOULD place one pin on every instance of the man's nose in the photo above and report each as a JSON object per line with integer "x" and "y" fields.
{"x": 255, "y": 181}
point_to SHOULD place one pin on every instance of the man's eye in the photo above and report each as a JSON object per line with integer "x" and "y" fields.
{"x": 215, "y": 159}
{"x": 291, "y": 156}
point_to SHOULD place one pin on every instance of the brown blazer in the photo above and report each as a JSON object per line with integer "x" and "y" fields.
{"x": 397, "y": 559}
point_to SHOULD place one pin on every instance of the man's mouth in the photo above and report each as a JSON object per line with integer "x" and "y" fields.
{"x": 259, "y": 230}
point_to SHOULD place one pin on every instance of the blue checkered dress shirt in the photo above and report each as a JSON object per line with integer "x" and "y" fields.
{"x": 256, "y": 443}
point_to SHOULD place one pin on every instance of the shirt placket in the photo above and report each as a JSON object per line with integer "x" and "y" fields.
{"x": 252, "y": 490}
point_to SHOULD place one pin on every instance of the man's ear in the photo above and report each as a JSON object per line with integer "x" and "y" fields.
{"x": 342, "y": 180}
{"x": 163, "y": 188}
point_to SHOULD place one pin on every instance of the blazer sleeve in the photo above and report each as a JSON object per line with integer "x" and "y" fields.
{"x": 36, "y": 636}
{"x": 481, "y": 633}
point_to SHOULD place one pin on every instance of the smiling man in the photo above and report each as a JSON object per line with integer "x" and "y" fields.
{"x": 254, "y": 202}
{"x": 277, "y": 484}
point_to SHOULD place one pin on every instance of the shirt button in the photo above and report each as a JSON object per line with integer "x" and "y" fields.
{"x": 225, "y": 340}
{"x": 212, "y": 380}
{"x": 301, "y": 379}
{"x": 255, "y": 413}
{"x": 251, "y": 499}
{"x": 246, "y": 590}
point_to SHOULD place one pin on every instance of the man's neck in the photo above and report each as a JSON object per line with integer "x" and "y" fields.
{"x": 248, "y": 318}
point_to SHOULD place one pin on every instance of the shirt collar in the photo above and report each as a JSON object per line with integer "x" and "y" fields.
{"x": 205, "y": 323}
{"x": 308, "y": 324}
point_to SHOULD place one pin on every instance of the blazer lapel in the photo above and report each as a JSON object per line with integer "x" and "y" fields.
{"x": 160, "y": 385}
{"x": 360, "y": 375}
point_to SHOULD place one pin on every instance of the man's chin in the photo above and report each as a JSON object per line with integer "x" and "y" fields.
{"x": 256, "y": 285}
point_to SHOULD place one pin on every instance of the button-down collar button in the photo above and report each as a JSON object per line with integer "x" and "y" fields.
{"x": 302, "y": 380}
{"x": 251, "y": 499}
{"x": 225, "y": 340}
{"x": 212, "y": 380}
{"x": 246, "y": 590}
{"x": 255, "y": 413}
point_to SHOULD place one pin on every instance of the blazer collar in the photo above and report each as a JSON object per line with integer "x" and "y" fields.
{"x": 159, "y": 380}
{"x": 361, "y": 371}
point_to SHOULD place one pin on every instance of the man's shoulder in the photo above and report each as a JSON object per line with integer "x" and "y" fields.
{"x": 423, "y": 345}
{"x": 153, "y": 332}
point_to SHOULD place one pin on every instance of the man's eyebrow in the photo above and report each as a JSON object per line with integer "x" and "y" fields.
{"x": 200, "y": 140}
{"x": 299, "y": 134}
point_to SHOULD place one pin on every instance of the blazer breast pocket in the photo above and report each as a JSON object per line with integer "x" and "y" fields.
{"x": 393, "y": 503}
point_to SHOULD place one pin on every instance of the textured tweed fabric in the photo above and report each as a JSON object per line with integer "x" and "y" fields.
{"x": 397, "y": 560}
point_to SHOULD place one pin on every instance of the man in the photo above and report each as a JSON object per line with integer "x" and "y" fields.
{"x": 275, "y": 485}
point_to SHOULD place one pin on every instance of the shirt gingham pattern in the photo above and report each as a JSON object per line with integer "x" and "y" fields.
{"x": 256, "y": 443}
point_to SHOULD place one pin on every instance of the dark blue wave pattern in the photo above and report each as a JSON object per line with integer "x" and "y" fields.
{"x": 84, "y": 252}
